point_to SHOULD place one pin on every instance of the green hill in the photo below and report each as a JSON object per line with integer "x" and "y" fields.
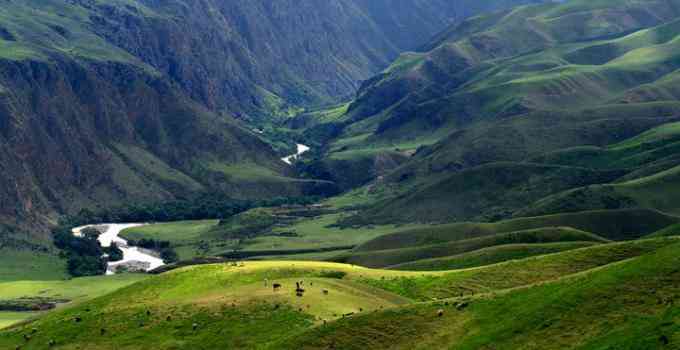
{"x": 228, "y": 305}
{"x": 488, "y": 192}
{"x": 489, "y": 256}
{"x": 673, "y": 230}
{"x": 657, "y": 191}
{"x": 478, "y": 108}
{"x": 610, "y": 224}
{"x": 393, "y": 257}
{"x": 585, "y": 311}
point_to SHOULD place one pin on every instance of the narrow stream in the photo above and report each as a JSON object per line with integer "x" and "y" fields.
{"x": 131, "y": 255}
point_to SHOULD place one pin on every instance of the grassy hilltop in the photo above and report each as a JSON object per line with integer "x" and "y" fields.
{"x": 235, "y": 306}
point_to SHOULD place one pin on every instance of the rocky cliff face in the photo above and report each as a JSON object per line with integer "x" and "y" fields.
{"x": 78, "y": 135}
{"x": 246, "y": 57}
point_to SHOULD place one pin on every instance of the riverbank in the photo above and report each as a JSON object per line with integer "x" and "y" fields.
{"x": 142, "y": 259}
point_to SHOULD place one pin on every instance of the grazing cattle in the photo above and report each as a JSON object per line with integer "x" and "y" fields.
{"x": 440, "y": 313}
{"x": 77, "y": 319}
{"x": 299, "y": 291}
{"x": 27, "y": 337}
{"x": 276, "y": 286}
{"x": 325, "y": 291}
{"x": 102, "y": 331}
{"x": 148, "y": 312}
{"x": 169, "y": 318}
{"x": 52, "y": 343}
{"x": 194, "y": 326}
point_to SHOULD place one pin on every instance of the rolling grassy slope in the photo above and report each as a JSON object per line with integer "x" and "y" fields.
{"x": 489, "y": 256}
{"x": 230, "y": 305}
{"x": 629, "y": 153}
{"x": 578, "y": 94}
{"x": 385, "y": 258}
{"x": 658, "y": 191}
{"x": 650, "y": 182}
{"x": 610, "y": 224}
{"x": 483, "y": 193}
{"x": 215, "y": 306}
{"x": 608, "y": 308}
{"x": 673, "y": 230}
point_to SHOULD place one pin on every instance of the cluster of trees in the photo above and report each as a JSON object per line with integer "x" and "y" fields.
{"x": 114, "y": 253}
{"x": 200, "y": 207}
{"x": 84, "y": 254}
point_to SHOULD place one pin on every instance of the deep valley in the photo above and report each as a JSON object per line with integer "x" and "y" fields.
{"x": 339, "y": 174}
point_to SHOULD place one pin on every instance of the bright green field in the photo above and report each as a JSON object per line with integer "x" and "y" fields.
{"x": 9, "y": 318}
{"x": 25, "y": 265}
{"x": 175, "y": 232}
{"x": 312, "y": 233}
{"x": 77, "y": 290}
{"x": 316, "y": 232}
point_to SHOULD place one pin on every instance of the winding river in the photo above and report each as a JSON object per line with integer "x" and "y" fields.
{"x": 130, "y": 254}
{"x": 293, "y": 157}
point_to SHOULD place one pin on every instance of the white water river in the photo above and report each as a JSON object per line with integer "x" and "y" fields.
{"x": 130, "y": 254}
{"x": 293, "y": 157}
{"x": 135, "y": 254}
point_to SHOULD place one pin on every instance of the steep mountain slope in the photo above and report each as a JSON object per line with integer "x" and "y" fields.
{"x": 255, "y": 57}
{"x": 111, "y": 101}
{"x": 494, "y": 94}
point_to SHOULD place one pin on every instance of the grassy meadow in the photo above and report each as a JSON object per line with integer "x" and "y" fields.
{"x": 236, "y": 306}
{"x": 260, "y": 230}
{"x": 67, "y": 292}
